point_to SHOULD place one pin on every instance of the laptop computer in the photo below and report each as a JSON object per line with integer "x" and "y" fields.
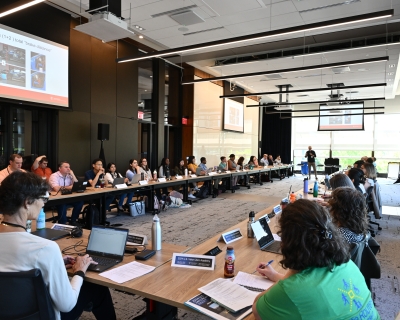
{"x": 264, "y": 236}
{"x": 51, "y": 234}
{"x": 118, "y": 181}
{"x": 79, "y": 186}
{"x": 106, "y": 246}
{"x": 135, "y": 179}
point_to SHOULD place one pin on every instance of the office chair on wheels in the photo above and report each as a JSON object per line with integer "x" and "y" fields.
{"x": 25, "y": 296}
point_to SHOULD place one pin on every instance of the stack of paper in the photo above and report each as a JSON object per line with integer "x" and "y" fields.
{"x": 127, "y": 272}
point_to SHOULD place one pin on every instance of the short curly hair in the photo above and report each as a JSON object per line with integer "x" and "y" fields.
{"x": 19, "y": 187}
{"x": 309, "y": 238}
{"x": 348, "y": 209}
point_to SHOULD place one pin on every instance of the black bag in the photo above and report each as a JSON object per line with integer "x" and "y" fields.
{"x": 203, "y": 193}
{"x": 91, "y": 216}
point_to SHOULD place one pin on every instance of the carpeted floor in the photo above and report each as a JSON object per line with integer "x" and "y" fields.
{"x": 209, "y": 217}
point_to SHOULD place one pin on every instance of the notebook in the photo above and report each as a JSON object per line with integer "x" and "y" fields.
{"x": 51, "y": 234}
{"x": 264, "y": 236}
{"x": 106, "y": 246}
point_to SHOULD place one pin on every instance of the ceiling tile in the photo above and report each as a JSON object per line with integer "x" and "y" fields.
{"x": 253, "y": 26}
{"x": 286, "y": 20}
{"x": 282, "y": 8}
{"x": 226, "y": 7}
{"x": 244, "y": 16}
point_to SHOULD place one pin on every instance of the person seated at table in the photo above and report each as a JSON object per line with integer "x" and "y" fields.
{"x": 64, "y": 178}
{"x": 96, "y": 178}
{"x": 144, "y": 168}
{"x": 22, "y": 195}
{"x": 132, "y": 170}
{"x": 340, "y": 180}
{"x": 244, "y": 179}
{"x": 253, "y": 162}
{"x": 278, "y": 159}
{"x": 111, "y": 174}
{"x": 192, "y": 167}
{"x": 15, "y": 164}
{"x": 358, "y": 178}
{"x": 232, "y": 166}
{"x": 163, "y": 172}
{"x": 264, "y": 160}
{"x": 180, "y": 168}
{"x": 270, "y": 160}
{"x": 202, "y": 170}
{"x": 223, "y": 165}
{"x": 321, "y": 282}
{"x": 347, "y": 207}
{"x": 40, "y": 167}
{"x": 370, "y": 172}
{"x": 358, "y": 163}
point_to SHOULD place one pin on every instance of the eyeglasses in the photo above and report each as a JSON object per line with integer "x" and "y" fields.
{"x": 45, "y": 199}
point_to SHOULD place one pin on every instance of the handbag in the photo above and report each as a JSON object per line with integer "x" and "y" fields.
{"x": 137, "y": 208}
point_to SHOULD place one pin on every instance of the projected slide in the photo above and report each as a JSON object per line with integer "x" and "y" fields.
{"x": 32, "y": 69}
{"x": 331, "y": 119}
{"x": 233, "y": 115}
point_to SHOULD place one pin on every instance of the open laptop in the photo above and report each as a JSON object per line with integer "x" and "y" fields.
{"x": 79, "y": 186}
{"x": 118, "y": 181}
{"x": 135, "y": 179}
{"x": 264, "y": 236}
{"x": 51, "y": 234}
{"x": 106, "y": 246}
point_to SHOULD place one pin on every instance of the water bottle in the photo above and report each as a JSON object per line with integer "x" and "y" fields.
{"x": 250, "y": 232}
{"x": 229, "y": 266}
{"x": 315, "y": 189}
{"x": 156, "y": 233}
{"x": 41, "y": 220}
{"x": 155, "y": 175}
{"x": 142, "y": 176}
{"x": 305, "y": 185}
{"x": 186, "y": 173}
{"x": 28, "y": 226}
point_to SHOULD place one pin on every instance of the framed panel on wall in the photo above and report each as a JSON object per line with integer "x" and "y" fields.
{"x": 233, "y": 116}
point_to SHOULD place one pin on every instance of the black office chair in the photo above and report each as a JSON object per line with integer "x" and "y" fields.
{"x": 374, "y": 210}
{"x": 24, "y": 295}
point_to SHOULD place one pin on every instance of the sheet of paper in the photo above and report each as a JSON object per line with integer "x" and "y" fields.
{"x": 276, "y": 237}
{"x": 252, "y": 281}
{"x": 228, "y": 294}
{"x": 127, "y": 272}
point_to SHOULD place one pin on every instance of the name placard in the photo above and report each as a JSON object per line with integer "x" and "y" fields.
{"x": 161, "y": 180}
{"x": 178, "y": 177}
{"x": 277, "y": 209}
{"x": 121, "y": 186}
{"x": 193, "y": 261}
{"x": 143, "y": 182}
{"x": 213, "y": 252}
{"x": 231, "y": 236}
{"x": 227, "y": 171}
{"x": 136, "y": 239}
{"x": 212, "y": 173}
{"x": 193, "y": 175}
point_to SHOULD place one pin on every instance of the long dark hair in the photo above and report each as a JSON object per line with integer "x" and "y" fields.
{"x": 309, "y": 238}
{"x": 146, "y": 168}
{"x": 130, "y": 166}
{"x": 358, "y": 177}
{"x": 240, "y": 161}
{"x": 190, "y": 159}
{"x": 252, "y": 159}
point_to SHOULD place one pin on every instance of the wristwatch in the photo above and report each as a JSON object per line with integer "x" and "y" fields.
{"x": 80, "y": 273}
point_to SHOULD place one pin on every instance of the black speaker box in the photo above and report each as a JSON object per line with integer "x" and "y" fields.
{"x": 103, "y": 131}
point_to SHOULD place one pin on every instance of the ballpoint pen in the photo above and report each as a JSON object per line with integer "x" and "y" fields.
{"x": 265, "y": 265}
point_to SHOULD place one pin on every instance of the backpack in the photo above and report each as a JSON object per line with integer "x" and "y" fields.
{"x": 203, "y": 193}
{"x": 91, "y": 216}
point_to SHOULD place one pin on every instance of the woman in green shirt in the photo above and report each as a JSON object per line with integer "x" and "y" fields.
{"x": 321, "y": 282}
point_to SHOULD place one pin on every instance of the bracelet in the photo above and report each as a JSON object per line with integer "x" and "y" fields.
{"x": 80, "y": 273}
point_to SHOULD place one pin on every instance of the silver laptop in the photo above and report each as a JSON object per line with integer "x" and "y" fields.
{"x": 118, "y": 181}
{"x": 106, "y": 246}
{"x": 264, "y": 236}
{"x": 135, "y": 179}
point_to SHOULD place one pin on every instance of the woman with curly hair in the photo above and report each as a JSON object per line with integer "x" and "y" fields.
{"x": 349, "y": 213}
{"x": 321, "y": 282}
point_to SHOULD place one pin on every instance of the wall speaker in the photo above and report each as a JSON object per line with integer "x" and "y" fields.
{"x": 103, "y": 131}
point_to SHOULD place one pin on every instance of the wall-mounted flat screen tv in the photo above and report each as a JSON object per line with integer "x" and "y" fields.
{"x": 341, "y": 117}
{"x": 32, "y": 69}
{"x": 233, "y": 116}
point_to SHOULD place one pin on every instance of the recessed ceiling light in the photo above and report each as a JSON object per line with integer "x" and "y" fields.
{"x": 389, "y": 80}
{"x": 151, "y": 76}
{"x": 392, "y": 65}
{"x": 145, "y": 90}
{"x": 390, "y": 73}
{"x": 140, "y": 37}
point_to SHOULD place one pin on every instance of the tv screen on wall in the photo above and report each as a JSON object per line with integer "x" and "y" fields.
{"x": 341, "y": 117}
{"x": 32, "y": 69}
{"x": 233, "y": 116}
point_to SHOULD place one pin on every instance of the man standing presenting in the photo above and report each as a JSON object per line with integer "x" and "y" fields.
{"x": 65, "y": 178}
{"x": 311, "y": 155}
{"x": 15, "y": 161}
{"x": 40, "y": 168}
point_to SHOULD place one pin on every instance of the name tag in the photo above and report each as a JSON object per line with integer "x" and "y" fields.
{"x": 143, "y": 182}
{"x": 227, "y": 171}
{"x": 231, "y": 236}
{"x": 179, "y": 177}
{"x": 161, "y": 180}
{"x": 193, "y": 175}
{"x": 193, "y": 261}
{"x": 136, "y": 239}
{"x": 212, "y": 173}
{"x": 121, "y": 186}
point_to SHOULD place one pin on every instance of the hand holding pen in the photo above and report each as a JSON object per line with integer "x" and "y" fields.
{"x": 266, "y": 270}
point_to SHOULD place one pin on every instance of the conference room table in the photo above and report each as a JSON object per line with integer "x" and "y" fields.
{"x": 100, "y": 194}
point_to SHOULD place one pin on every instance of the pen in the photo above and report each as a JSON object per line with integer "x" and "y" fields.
{"x": 265, "y": 265}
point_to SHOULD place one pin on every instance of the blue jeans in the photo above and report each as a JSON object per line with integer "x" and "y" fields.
{"x": 122, "y": 198}
{"x": 62, "y": 211}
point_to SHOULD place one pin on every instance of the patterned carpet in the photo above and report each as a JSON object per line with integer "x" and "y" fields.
{"x": 209, "y": 217}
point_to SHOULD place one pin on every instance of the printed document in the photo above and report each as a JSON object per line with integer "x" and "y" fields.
{"x": 127, "y": 272}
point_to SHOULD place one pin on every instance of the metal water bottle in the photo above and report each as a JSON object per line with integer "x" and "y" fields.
{"x": 156, "y": 233}
{"x": 305, "y": 185}
{"x": 315, "y": 189}
{"x": 186, "y": 173}
{"x": 250, "y": 232}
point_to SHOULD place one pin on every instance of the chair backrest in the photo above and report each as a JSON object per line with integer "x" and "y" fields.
{"x": 24, "y": 295}
{"x": 377, "y": 202}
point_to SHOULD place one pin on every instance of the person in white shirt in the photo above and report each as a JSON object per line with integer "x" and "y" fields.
{"x": 111, "y": 174}
{"x": 22, "y": 195}
{"x": 264, "y": 160}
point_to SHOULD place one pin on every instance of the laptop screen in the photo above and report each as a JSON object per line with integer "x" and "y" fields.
{"x": 262, "y": 232}
{"x": 107, "y": 241}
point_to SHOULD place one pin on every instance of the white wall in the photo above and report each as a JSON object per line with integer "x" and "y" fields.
{"x": 208, "y": 138}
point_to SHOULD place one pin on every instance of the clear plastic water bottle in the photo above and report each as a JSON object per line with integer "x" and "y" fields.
{"x": 41, "y": 220}
{"x": 250, "y": 232}
{"x": 156, "y": 233}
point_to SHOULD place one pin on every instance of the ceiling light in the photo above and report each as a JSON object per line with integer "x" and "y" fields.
{"x": 389, "y": 80}
{"x": 303, "y": 90}
{"x": 265, "y": 35}
{"x": 329, "y": 115}
{"x": 390, "y": 73}
{"x": 139, "y": 27}
{"x": 392, "y": 65}
{"x": 140, "y": 37}
{"x": 24, "y": 6}
{"x": 311, "y": 102}
{"x": 307, "y": 68}
{"x": 342, "y": 108}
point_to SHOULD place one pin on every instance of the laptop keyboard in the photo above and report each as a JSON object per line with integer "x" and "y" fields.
{"x": 273, "y": 247}
{"x": 102, "y": 261}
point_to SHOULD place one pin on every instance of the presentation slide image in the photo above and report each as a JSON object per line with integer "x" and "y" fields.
{"x": 38, "y": 62}
{"x": 38, "y": 80}
{"x": 12, "y": 75}
{"x": 12, "y": 55}
{"x": 335, "y": 120}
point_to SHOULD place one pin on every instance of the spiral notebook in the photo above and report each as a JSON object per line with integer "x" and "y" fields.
{"x": 252, "y": 282}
